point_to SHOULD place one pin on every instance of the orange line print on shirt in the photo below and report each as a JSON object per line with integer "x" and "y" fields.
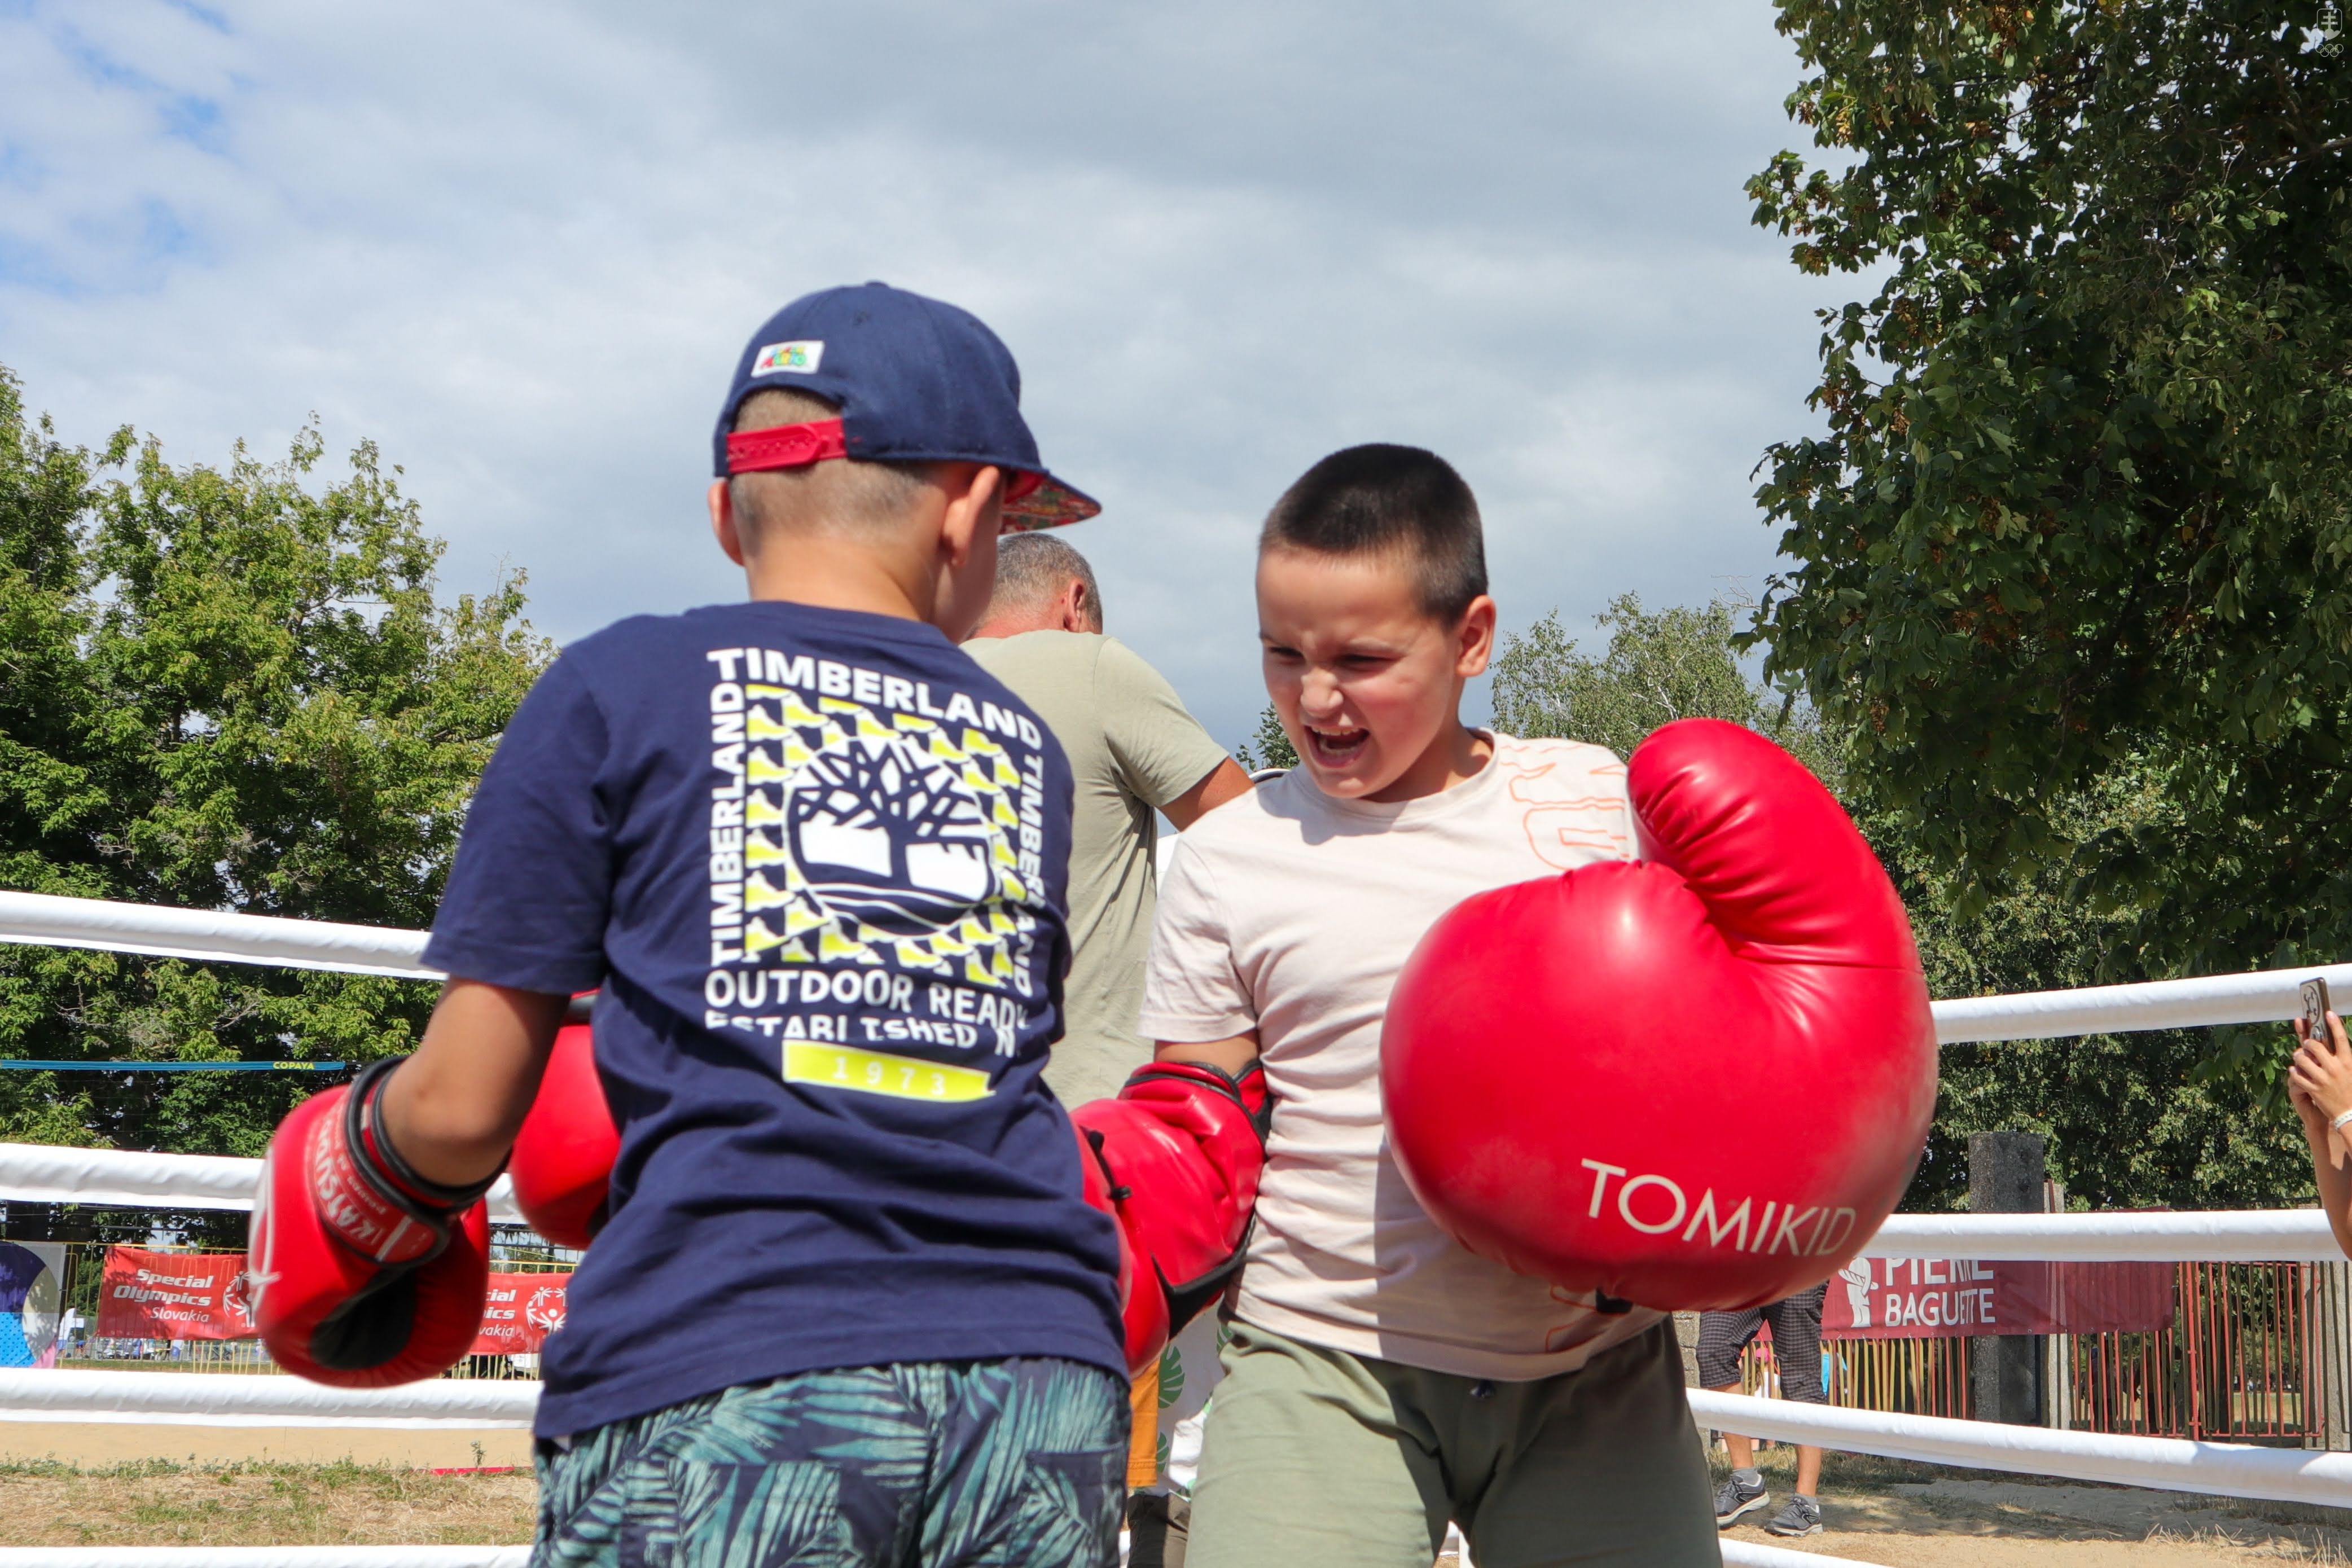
{"x": 1567, "y": 824}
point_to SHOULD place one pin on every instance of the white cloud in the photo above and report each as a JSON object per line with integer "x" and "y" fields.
{"x": 518, "y": 246}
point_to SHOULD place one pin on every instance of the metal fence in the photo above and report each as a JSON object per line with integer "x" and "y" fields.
{"x": 80, "y": 1347}
{"x": 2239, "y": 1362}
{"x": 2256, "y": 1353}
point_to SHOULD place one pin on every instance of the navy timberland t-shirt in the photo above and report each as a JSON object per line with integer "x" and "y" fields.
{"x": 815, "y": 860}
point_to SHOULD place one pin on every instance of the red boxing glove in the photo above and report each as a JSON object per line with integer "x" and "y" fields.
{"x": 1180, "y": 1151}
{"x": 563, "y": 1156}
{"x": 1698, "y": 1082}
{"x": 364, "y": 1274}
{"x": 1144, "y": 1313}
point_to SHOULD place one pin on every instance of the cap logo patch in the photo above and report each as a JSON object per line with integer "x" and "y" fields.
{"x": 801, "y": 357}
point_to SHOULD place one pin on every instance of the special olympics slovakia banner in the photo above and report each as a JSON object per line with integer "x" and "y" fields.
{"x": 145, "y": 1294}
{"x": 521, "y": 1312}
{"x": 1939, "y": 1298}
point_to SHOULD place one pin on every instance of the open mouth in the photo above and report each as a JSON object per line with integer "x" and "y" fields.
{"x": 1338, "y": 748}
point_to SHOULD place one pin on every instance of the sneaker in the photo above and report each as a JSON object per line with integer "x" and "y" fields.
{"x": 1801, "y": 1517}
{"x": 1735, "y": 1497}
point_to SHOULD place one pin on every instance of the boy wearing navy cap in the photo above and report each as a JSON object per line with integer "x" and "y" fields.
{"x": 850, "y": 1306}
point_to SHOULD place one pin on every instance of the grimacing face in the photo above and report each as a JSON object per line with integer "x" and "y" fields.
{"x": 1365, "y": 680}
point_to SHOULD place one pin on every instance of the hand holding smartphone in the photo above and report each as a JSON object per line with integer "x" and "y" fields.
{"x": 2315, "y": 1008}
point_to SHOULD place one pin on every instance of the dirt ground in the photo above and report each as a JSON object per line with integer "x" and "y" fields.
{"x": 1922, "y": 1516}
{"x": 1875, "y": 1510}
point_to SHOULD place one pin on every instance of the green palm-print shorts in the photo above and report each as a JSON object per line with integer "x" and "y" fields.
{"x": 986, "y": 1464}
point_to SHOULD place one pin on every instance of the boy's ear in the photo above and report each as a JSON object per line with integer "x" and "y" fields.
{"x": 1474, "y": 641}
{"x": 972, "y": 491}
{"x": 722, "y": 521}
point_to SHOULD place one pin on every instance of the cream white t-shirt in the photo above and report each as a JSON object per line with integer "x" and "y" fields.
{"x": 1290, "y": 912}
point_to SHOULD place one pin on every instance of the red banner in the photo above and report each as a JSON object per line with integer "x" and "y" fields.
{"x": 1938, "y": 1298}
{"x": 173, "y": 1295}
{"x": 521, "y": 1310}
{"x": 206, "y": 1295}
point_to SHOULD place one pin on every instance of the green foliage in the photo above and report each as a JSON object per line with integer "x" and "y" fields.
{"x": 219, "y": 690}
{"x": 1660, "y": 666}
{"x": 2133, "y": 1120}
{"x": 2130, "y": 1124}
{"x": 2079, "y": 522}
{"x": 1269, "y": 748}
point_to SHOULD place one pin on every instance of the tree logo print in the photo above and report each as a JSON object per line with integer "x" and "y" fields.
{"x": 887, "y": 834}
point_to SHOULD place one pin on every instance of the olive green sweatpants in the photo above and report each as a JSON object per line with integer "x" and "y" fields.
{"x": 1314, "y": 1456}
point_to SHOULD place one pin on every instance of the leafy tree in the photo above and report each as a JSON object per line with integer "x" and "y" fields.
{"x": 2130, "y": 1123}
{"x": 1269, "y": 748}
{"x": 2071, "y": 553}
{"x": 1660, "y": 666}
{"x": 221, "y": 689}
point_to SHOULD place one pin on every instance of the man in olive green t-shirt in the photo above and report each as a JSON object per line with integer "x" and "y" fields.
{"x": 1133, "y": 748}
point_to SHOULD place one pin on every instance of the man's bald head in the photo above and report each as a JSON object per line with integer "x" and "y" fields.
{"x": 1042, "y": 584}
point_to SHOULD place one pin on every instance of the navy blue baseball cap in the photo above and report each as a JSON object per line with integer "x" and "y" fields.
{"x": 916, "y": 379}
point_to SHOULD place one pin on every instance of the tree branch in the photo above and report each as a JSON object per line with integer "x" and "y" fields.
{"x": 2325, "y": 148}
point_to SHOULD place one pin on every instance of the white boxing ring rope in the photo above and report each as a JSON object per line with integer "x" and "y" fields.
{"x": 41, "y": 1174}
{"x": 2202, "y": 1236}
{"x": 117, "y": 1178}
{"x": 205, "y": 936}
{"x": 251, "y": 1399}
{"x": 305, "y": 1557}
{"x": 2264, "y": 996}
{"x": 262, "y": 1399}
{"x": 2315, "y": 1476}
{"x": 1743, "y": 1553}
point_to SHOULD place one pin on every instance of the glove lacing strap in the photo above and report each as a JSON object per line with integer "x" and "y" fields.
{"x": 379, "y": 1164}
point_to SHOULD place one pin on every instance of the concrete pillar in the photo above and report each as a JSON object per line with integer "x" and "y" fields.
{"x": 2006, "y": 1171}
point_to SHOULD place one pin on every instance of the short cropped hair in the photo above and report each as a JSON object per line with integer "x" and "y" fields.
{"x": 1390, "y": 500}
{"x": 1032, "y": 567}
{"x": 849, "y": 491}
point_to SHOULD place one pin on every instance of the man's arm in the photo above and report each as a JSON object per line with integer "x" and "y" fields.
{"x": 453, "y": 1109}
{"x": 1165, "y": 758}
{"x": 1220, "y": 784}
{"x": 1229, "y": 1055}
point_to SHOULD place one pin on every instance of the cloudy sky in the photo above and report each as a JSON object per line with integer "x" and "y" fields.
{"x": 518, "y": 246}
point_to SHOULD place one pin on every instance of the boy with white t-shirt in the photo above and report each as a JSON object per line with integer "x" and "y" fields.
{"x": 1381, "y": 1379}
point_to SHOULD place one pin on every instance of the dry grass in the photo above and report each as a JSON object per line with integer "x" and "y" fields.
{"x": 158, "y": 1503}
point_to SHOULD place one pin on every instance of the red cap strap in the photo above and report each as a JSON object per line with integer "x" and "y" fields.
{"x": 784, "y": 446}
{"x": 799, "y": 445}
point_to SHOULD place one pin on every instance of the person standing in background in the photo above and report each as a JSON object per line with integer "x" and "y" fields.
{"x": 1134, "y": 751}
{"x": 1797, "y": 1346}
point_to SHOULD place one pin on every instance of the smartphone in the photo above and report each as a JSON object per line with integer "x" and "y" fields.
{"x": 2315, "y": 1013}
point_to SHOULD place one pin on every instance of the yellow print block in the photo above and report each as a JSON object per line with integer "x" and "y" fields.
{"x": 879, "y": 1073}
